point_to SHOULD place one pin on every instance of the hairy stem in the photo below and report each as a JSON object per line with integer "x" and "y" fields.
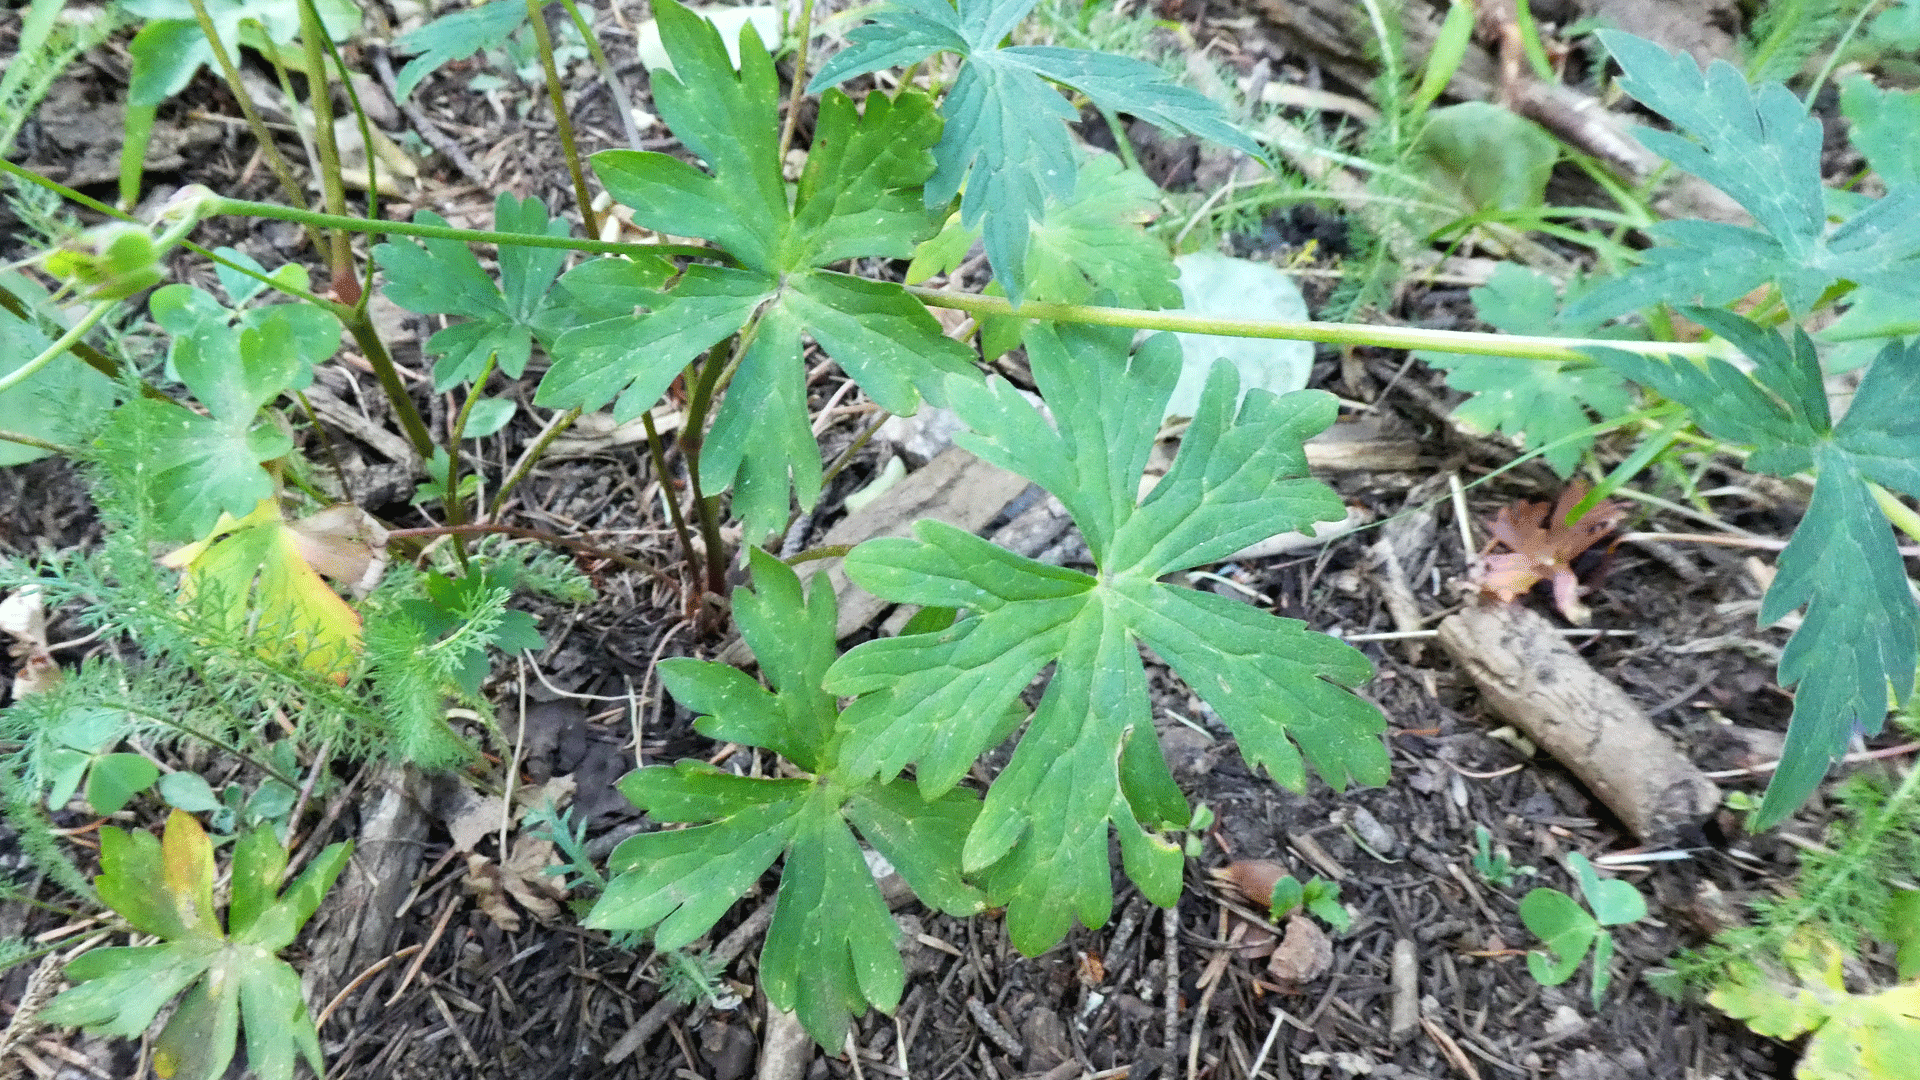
{"x": 804, "y": 34}
{"x": 243, "y": 208}
{"x": 1384, "y": 337}
{"x": 289, "y": 186}
{"x": 543, "y": 40}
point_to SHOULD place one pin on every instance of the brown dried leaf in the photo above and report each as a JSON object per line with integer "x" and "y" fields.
{"x": 1542, "y": 548}
{"x": 344, "y": 543}
{"x": 521, "y": 880}
{"x": 1253, "y": 879}
{"x": 1304, "y": 955}
{"x": 488, "y": 884}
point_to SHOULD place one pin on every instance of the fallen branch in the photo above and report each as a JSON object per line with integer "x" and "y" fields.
{"x": 1534, "y": 680}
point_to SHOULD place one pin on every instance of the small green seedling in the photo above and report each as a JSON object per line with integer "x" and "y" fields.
{"x": 1318, "y": 897}
{"x": 1569, "y": 930}
{"x": 1495, "y": 868}
{"x": 164, "y": 887}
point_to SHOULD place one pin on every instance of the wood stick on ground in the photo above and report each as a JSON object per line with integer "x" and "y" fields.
{"x": 1533, "y": 679}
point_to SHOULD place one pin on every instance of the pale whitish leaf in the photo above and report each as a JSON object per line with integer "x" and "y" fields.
{"x": 1226, "y": 287}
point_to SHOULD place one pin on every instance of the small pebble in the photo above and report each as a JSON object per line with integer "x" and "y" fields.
{"x": 1373, "y": 834}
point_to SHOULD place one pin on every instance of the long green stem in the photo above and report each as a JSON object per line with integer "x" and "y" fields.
{"x": 320, "y": 100}
{"x": 805, "y": 35}
{"x": 37, "y": 443}
{"x": 531, "y": 456}
{"x": 622, "y": 100}
{"x": 79, "y": 330}
{"x": 1384, "y": 337}
{"x": 657, "y": 452}
{"x": 375, "y": 350}
{"x": 692, "y": 441}
{"x": 563, "y": 124}
{"x": 93, "y": 357}
{"x": 289, "y": 186}
{"x": 244, "y": 208}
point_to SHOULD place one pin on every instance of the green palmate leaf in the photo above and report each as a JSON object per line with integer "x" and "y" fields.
{"x": 1881, "y": 125}
{"x": 502, "y": 321}
{"x": 1006, "y": 143}
{"x": 1090, "y": 760}
{"x": 165, "y": 888}
{"x": 192, "y": 315}
{"x": 455, "y": 36}
{"x": 171, "y": 48}
{"x": 199, "y": 467}
{"x": 1860, "y": 637}
{"x": 858, "y": 197}
{"x": 830, "y": 951}
{"x": 793, "y": 638}
{"x": 1535, "y": 402}
{"x": 1759, "y": 145}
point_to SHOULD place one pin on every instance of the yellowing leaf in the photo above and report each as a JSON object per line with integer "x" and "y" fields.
{"x": 186, "y": 862}
{"x": 1872, "y": 1036}
{"x": 253, "y": 577}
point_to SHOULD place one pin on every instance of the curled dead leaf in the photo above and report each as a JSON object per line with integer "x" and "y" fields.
{"x": 1541, "y": 546}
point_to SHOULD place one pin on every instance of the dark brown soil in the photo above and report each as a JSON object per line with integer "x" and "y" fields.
{"x": 463, "y": 997}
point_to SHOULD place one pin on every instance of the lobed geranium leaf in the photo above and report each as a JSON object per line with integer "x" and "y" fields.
{"x": 199, "y": 467}
{"x": 793, "y": 637}
{"x": 1761, "y": 147}
{"x": 1089, "y": 758}
{"x": 858, "y": 197}
{"x": 830, "y": 950}
{"x": 1860, "y": 638}
{"x": 165, "y": 888}
{"x": 442, "y": 277}
{"x": 1006, "y": 143}
{"x": 1535, "y": 402}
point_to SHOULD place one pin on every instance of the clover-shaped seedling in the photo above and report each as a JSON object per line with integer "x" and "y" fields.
{"x": 164, "y": 887}
{"x": 1570, "y": 930}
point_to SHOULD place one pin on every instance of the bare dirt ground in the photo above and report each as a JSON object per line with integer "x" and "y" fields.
{"x": 447, "y": 991}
